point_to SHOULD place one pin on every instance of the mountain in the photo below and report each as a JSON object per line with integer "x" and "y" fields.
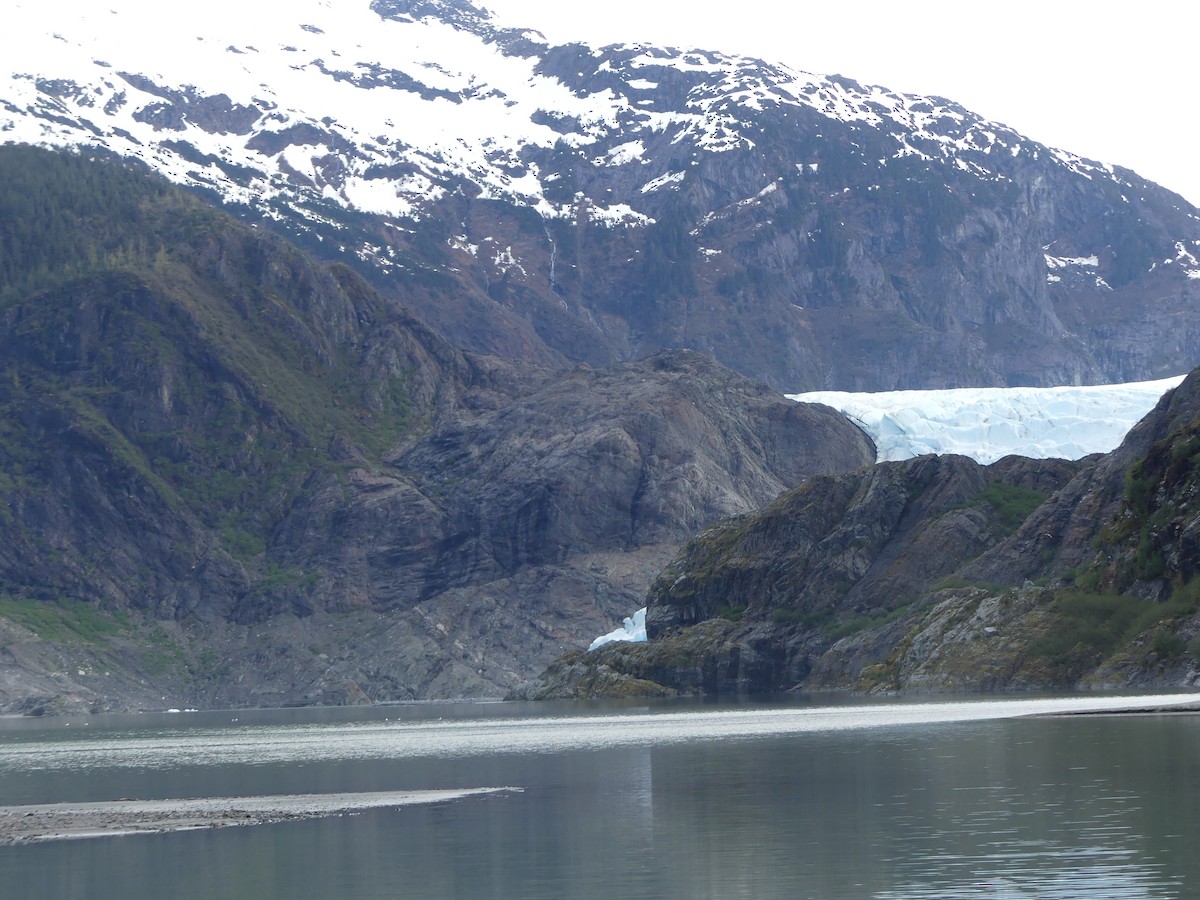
{"x": 937, "y": 574}
{"x": 234, "y": 476}
{"x": 486, "y": 345}
{"x": 568, "y": 204}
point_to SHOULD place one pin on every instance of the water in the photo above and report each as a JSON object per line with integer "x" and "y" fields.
{"x": 884, "y": 800}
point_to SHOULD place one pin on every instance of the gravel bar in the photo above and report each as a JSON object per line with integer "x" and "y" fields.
{"x": 64, "y": 821}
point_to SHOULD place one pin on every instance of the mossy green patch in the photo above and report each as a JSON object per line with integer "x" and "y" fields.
{"x": 857, "y": 624}
{"x": 1010, "y": 504}
{"x": 1087, "y": 628}
{"x": 64, "y": 620}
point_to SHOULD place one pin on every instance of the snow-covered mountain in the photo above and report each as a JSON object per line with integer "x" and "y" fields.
{"x": 576, "y": 203}
{"x": 383, "y": 107}
{"x": 987, "y": 424}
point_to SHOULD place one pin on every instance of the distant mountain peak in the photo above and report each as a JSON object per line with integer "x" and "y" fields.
{"x": 463, "y": 16}
{"x": 460, "y": 13}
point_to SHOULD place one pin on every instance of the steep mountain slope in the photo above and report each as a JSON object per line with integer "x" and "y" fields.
{"x": 172, "y": 385}
{"x": 233, "y": 476}
{"x": 900, "y": 577}
{"x": 571, "y": 203}
{"x": 502, "y": 539}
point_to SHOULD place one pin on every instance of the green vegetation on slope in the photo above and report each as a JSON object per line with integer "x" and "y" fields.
{"x": 159, "y": 358}
{"x": 1157, "y": 492}
{"x": 1011, "y": 504}
{"x": 64, "y": 216}
{"x": 63, "y": 620}
{"x": 1087, "y": 628}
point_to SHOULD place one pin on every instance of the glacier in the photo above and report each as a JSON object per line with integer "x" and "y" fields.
{"x": 989, "y": 423}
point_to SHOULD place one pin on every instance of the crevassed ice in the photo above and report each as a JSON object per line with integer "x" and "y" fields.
{"x": 989, "y": 423}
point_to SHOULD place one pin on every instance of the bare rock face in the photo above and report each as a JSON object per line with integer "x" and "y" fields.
{"x": 618, "y": 459}
{"x": 519, "y": 533}
{"x": 767, "y": 601}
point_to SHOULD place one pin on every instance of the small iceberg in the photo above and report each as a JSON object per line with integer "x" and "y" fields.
{"x": 633, "y": 629}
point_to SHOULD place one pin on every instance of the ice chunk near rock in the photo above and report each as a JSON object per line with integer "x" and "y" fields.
{"x": 633, "y": 629}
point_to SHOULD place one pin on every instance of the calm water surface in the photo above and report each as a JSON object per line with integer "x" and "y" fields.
{"x": 883, "y": 800}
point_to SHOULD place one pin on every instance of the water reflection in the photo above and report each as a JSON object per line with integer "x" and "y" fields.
{"x": 1062, "y": 816}
{"x": 1079, "y": 809}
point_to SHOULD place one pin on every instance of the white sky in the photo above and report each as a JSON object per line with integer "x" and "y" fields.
{"x": 1114, "y": 81}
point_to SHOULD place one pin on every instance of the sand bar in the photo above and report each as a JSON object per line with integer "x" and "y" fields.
{"x": 63, "y": 821}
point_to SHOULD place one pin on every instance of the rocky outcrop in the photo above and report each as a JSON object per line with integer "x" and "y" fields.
{"x": 859, "y": 543}
{"x": 901, "y": 577}
{"x": 1106, "y": 500}
{"x": 505, "y": 538}
{"x": 768, "y": 601}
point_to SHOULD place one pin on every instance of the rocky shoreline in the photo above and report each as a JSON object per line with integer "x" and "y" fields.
{"x": 1189, "y": 708}
{"x": 67, "y": 821}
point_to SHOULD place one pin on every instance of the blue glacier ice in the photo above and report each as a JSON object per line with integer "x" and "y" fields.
{"x": 633, "y": 629}
{"x": 989, "y": 423}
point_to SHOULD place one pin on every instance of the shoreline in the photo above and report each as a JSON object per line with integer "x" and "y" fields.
{"x": 40, "y": 822}
{"x": 901, "y": 695}
{"x": 1134, "y": 710}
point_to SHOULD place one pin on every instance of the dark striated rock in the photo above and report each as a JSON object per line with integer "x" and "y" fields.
{"x": 858, "y": 543}
{"x": 522, "y": 531}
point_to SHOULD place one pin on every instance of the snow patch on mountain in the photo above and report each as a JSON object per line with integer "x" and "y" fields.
{"x": 385, "y": 107}
{"x": 670, "y": 178}
{"x": 987, "y": 424}
{"x": 1061, "y": 262}
{"x": 1057, "y": 266}
{"x": 1185, "y": 259}
{"x": 319, "y": 122}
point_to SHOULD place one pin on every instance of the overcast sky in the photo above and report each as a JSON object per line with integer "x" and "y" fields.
{"x": 1117, "y": 82}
